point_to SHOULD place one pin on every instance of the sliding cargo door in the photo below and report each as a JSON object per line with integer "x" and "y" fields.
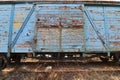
{"x": 59, "y": 28}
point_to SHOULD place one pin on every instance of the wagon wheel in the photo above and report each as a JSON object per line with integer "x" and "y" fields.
{"x": 104, "y": 59}
{"x": 16, "y": 58}
{"x": 3, "y": 63}
{"x": 116, "y": 57}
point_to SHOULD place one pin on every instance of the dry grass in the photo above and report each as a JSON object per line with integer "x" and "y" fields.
{"x": 63, "y": 76}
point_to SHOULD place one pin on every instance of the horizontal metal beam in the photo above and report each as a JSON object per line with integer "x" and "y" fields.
{"x": 61, "y": 2}
{"x": 65, "y": 0}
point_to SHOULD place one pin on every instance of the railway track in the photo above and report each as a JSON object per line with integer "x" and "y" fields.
{"x": 60, "y": 71}
{"x": 63, "y": 67}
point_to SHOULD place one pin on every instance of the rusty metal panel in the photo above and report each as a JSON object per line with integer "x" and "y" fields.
{"x": 113, "y": 24}
{"x": 106, "y": 19}
{"x": 60, "y": 28}
{"x": 47, "y": 39}
{"x": 5, "y": 11}
{"x": 20, "y": 13}
{"x": 93, "y": 42}
{"x": 25, "y": 41}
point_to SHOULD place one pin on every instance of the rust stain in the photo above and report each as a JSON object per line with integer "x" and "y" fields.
{"x": 93, "y": 39}
{"x": 73, "y": 23}
{"x": 64, "y": 8}
{"x": 77, "y": 22}
{"x": 76, "y": 26}
{"x": 114, "y": 28}
{"x": 115, "y": 43}
{"x": 80, "y": 7}
{"x": 26, "y": 44}
{"x": 117, "y": 38}
{"x": 66, "y": 0}
{"x": 111, "y": 13}
{"x": 60, "y": 22}
{"x": 28, "y": 8}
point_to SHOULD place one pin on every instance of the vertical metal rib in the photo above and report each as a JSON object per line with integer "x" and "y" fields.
{"x": 11, "y": 28}
{"x": 60, "y": 35}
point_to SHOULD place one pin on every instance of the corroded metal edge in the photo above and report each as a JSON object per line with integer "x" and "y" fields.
{"x": 113, "y": 2}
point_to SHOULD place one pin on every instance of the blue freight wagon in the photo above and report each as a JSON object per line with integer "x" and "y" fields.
{"x": 59, "y": 29}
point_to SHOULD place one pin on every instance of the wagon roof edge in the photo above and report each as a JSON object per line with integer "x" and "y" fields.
{"x": 114, "y": 2}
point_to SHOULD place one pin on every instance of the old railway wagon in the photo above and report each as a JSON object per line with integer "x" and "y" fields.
{"x": 59, "y": 29}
